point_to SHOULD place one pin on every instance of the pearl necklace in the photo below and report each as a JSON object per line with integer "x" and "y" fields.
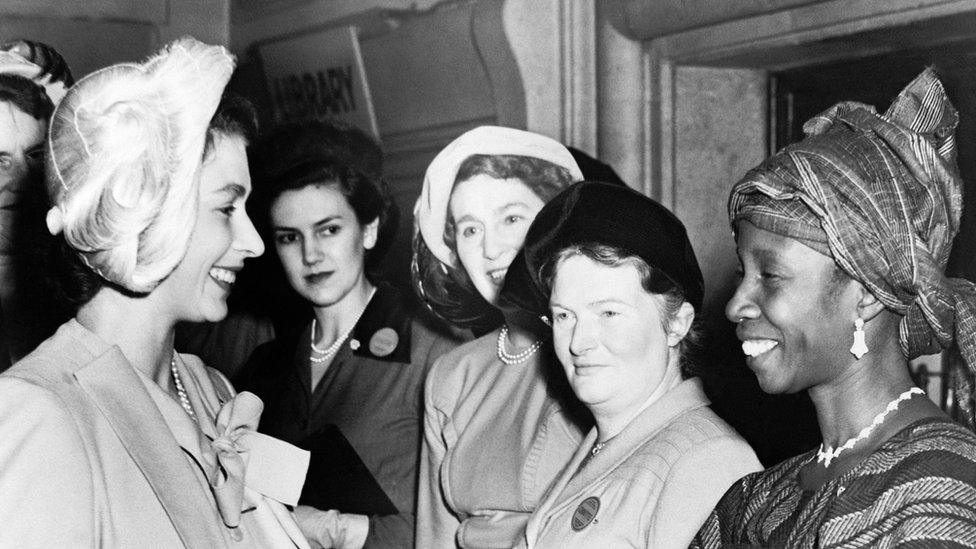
{"x": 826, "y": 455}
{"x": 180, "y": 389}
{"x": 516, "y": 358}
{"x": 596, "y": 449}
{"x": 319, "y": 356}
{"x": 597, "y": 446}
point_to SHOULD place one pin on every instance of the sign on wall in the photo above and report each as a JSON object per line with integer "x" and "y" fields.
{"x": 319, "y": 75}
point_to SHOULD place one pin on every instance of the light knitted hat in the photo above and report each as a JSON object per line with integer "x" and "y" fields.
{"x": 125, "y": 150}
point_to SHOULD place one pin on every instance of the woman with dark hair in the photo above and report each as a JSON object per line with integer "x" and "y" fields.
{"x": 33, "y": 78}
{"x": 623, "y": 286}
{"x": 346, "y": 383}
{"x": 500, "y": 422}
{"x": 843, "y": 240}
{"x": 111, "y": 438}
{"x": 27, "y": 316}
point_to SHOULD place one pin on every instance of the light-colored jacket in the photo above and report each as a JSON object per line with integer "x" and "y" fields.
{"x": 495, "y": 438}
{"x": 652, "y": 485}
{"x": 88, "y": 460}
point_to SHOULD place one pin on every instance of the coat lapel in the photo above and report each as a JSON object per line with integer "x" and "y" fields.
{"x": 684, "y": 397}
{"x": 555, "y": 493}
{"x": 119, "y": 394}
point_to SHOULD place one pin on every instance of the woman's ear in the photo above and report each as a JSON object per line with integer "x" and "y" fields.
{"x": 370, "y": 233}
{"x": 680, "y": 324}
{"x": 868, "y": 306}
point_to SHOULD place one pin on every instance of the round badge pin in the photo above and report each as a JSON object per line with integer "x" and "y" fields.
{"x": 383, "y": 342}
{"x": 585, "y": 513}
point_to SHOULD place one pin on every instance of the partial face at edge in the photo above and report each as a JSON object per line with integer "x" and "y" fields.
{"x": 491, "y": 217}
{"x": 21, "y": 141}
{"x": 608, "y": 333}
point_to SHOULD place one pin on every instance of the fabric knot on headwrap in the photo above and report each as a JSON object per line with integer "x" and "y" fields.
{"x": 882, "y": 196}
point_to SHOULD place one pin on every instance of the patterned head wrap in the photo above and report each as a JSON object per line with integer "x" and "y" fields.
{"x": 441, "y": 284}
{"x": 882, "y": 196}
{"x": 125, "y": 149}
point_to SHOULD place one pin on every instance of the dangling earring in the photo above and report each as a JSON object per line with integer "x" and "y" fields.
{"x": 860, "y": 347}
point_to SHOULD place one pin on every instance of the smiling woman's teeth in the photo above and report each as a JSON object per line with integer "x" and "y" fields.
{"x": 223, "y": 275}
{"x": 756, "y": 347}
{"x": 498, "y": 275}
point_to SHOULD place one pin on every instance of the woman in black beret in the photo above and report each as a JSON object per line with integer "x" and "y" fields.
{"x": 623, "y": 286}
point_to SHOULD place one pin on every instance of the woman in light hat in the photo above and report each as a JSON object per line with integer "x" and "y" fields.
{"x": 111, "y": 438}
{"x": 624, "y": 287}
{"x": 500, "y": 422}
{"x": 843, "y": 240}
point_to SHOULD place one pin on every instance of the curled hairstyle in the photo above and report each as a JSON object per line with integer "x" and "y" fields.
{"x": 652, "y": 280}
{"x": 124, "y": 158}
{"x": 319, "y": 153}
{"x": 137, "y": 191}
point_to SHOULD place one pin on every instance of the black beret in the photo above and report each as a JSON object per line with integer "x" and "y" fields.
{"x": 600, "y": 213}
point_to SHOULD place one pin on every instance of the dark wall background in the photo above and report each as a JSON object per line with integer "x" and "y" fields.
{"x": 802, "y": 93}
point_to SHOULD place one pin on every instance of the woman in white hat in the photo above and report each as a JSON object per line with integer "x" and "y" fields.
{"x": 111, "y": 438}
{"x": 500, "y": 422}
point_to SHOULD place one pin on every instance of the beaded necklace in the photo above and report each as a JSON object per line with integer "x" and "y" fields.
{"x": 828, "y": 454}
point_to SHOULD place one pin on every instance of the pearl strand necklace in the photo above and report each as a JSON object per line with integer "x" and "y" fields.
{"x": 319, "y": 356}
{"x": 828, "y": 454}
{"x": 516, "y": 358}
{"x": 180, "y": 389}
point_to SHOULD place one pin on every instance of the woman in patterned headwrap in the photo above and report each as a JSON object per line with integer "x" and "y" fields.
{"x": 843, "y": 240}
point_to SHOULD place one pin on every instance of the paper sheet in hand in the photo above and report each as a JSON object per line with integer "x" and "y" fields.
{"x": 274, "y": 467}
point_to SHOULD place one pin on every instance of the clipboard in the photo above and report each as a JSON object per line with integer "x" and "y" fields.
{"x": 338, "y": 479}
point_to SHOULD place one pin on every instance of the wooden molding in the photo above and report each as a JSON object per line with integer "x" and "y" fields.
{"x": 777, "y": 40}
{"x": 554, "y": 44}
{"x": 487, "y": 28}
